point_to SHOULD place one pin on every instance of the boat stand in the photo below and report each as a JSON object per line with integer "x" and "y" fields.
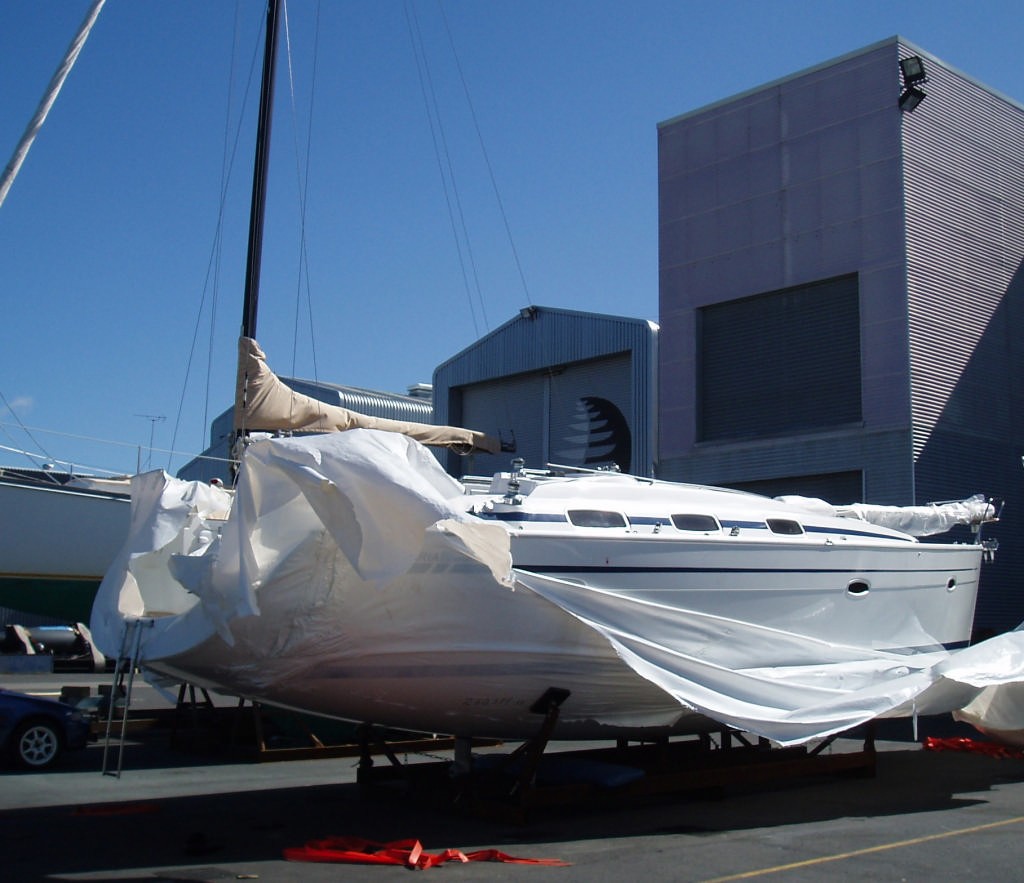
{"x": 511, "y": 787}
{"x": 246, "y": 732}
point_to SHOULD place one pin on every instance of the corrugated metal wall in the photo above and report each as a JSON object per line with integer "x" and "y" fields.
{"x": 366, "y": 401}
{"x": 964, "y": 191}
{"x": 519, "y": 403}
{"x": 780, "y": 363}
{"x": 963, "y": 150}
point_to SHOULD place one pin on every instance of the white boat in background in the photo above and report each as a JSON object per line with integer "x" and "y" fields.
{"x": 59, "y": 534}
{"x": 349, "y": 576}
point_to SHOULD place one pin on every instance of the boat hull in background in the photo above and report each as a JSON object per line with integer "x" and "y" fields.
{"x": 56, "y": 543}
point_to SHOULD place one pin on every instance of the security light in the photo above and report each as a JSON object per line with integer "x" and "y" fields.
{"x": 911, "y": 98}
{"x": 913, "y": 70}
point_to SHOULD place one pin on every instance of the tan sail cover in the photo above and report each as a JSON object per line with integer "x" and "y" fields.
{"x": 264, "y": 403}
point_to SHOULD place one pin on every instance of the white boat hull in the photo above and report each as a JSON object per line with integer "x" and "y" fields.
{"x": 891, "y": 598}
{"x": 56, "y": 543}
{"x": 439, "y": 651}
{"x": 348, "y": 581}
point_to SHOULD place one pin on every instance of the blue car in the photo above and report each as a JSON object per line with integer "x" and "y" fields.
{"x": 34, "y": 731}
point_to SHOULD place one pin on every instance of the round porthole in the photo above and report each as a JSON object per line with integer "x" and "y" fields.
{"x": 857, "y": 588}
{"x": 951, "y": 584}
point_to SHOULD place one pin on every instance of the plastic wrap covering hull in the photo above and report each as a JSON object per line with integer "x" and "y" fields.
{"x": 350, "y": 580}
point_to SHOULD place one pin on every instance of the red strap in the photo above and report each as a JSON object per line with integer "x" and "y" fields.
{"x": 408, "y": 853}
{"x": 962, "y": 743}
{"x": 493, "y": 855}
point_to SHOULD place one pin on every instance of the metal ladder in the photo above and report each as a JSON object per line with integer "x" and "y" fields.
{"x": 127, "y": 660}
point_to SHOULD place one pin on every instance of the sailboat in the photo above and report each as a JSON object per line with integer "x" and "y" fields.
{"x": 348, "y": 575}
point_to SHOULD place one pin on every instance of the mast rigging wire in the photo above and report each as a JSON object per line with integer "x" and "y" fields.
{"x": 211, "y": 282}
{"x": 302, "y": 179}
{"x": 486, "y": 156}
{"x": 449, "y": 183}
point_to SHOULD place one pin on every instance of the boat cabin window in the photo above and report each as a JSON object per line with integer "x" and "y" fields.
{"x": 784, "y": 526}
{"x": 703, "y": 523}
{"x": 596, "y": 518}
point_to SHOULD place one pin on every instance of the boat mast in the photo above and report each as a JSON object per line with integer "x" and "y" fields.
{"x": 257, "y": 211}
{"x": 259, "y": 175}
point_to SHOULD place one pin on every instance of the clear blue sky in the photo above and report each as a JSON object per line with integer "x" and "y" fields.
{"x": 110, "y": 261}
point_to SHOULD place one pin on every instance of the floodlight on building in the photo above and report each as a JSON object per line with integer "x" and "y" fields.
{"x": 529, "y": 312}
{"x": 911, "y": 98}
{"x": 913, "y": 71}
{"x": 914, "y": 75}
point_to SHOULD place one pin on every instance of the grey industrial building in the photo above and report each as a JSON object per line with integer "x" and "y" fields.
{"x": 840, "y": 293}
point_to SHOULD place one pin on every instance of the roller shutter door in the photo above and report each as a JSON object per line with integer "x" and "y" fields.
{"x": 781, "y": 363}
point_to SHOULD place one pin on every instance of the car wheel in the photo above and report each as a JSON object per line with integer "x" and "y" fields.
{"x": 37, "y": 744}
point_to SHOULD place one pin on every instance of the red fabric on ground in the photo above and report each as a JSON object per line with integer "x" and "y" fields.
{"x": 408, "y": 853}
{"x": 962, "y": 743}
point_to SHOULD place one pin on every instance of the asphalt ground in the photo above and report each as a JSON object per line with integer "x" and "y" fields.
{"x": 176, "y": 814}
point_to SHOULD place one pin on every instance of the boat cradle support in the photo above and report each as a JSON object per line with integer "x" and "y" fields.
{"x": 512, "y": 786}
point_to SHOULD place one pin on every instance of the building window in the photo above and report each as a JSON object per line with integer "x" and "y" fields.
{"x": 780, "y": 363}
